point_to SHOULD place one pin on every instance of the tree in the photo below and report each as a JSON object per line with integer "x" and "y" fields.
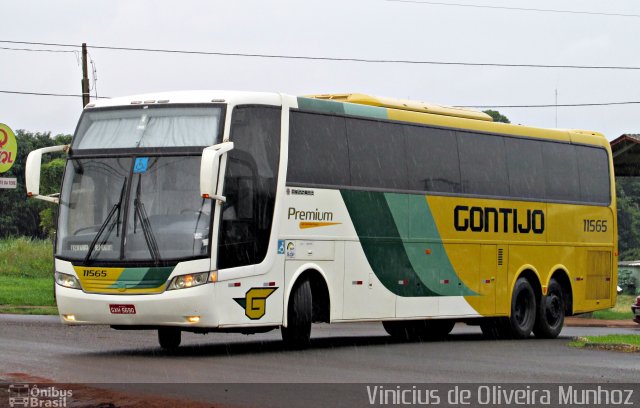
{"x": 497, "y": 116}
{"x": 628, "y": 200}
{"x": 18, "y": 215}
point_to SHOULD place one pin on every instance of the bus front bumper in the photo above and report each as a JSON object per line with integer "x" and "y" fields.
{"x": 192, "y": 307}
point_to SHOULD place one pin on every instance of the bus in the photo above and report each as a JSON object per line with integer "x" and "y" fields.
{"x": 209, "y": 211}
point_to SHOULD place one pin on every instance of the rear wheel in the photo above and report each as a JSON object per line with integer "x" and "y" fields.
{"x": 523, "y": 309}
{"x": 550, "y": 317}
{"x": 299, "y": 314}
{"x": 522, "y": 318}
{"x": 169, "y": 338}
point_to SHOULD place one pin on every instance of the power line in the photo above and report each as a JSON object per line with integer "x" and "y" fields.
{"x": 48, "y": 94}
{"x": 592, "y": 13}
{"x": 36, "y": 50}
{"x": 563, "y": 105}
{"x": 337, "y": 59}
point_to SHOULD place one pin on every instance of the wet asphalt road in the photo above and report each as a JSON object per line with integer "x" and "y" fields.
{"x": 41, "y": 346}
{"x": 361, "y": 352}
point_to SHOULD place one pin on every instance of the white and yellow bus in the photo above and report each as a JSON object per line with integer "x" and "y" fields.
{"x": 234, "y": 211}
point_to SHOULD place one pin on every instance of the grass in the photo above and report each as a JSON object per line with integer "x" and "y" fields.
{"x": 621, "y": 311}
{"x": 26, "y": 276}
{"x": 26, "y": 258}
{"x": 617, "y": 342}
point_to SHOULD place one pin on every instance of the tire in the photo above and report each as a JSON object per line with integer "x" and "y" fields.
{"x": 497, "y": 328}
{"x": 297, "y": 334}
{"x": 412, "y": 330}
{"x": 550, "y": 317}
{"x": 169, "y": 338}
{"x": 400, "y": 330}
{"x": 523, "y": 309}
{"x": 438, "y": 329}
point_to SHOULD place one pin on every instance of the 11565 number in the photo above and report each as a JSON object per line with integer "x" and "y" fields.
{"x": 594, "y": 225}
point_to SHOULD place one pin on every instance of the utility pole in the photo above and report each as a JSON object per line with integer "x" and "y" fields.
{"x": 85, "y": 77}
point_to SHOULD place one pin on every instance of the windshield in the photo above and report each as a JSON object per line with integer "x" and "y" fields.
{"x": 162, "y": 217}
{"x": 143, "y": 203}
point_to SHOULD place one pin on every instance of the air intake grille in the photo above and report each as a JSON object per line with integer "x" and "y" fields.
{"x": 598, "y": 275}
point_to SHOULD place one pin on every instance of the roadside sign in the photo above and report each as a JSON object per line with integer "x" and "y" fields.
{"x": 8, "y": 182}
{"x": 8, "y": 148}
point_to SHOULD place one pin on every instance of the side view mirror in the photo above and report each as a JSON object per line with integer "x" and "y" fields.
{"x": 210, "y": 169}
{"x": 32, "y": 173}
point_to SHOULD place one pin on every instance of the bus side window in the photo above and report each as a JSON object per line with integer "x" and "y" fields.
{"x": 238, "y": 224}
{"x": 249, "y": 186}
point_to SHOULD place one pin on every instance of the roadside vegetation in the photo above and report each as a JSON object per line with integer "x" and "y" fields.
{"x": 26, "y": 276}
{"x": 616, "y": 342}
{"x": 621, "y": 311}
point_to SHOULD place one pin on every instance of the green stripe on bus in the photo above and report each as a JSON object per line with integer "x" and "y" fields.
{"x": 340, "y": 108}
{"x": 366, "y": 111}
{"x": 142, "y": 278}
{"x": 321, "y": 105}
{"x": 419, "y": 233}
{"x": 382, "y": 244}
{"x": 395, "y": 231}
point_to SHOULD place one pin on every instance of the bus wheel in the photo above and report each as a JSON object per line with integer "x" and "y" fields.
{"x": 550, "y": 318}
{"x": 497, "y": 328}
{"x": 299, "y": 314}
{"x": 169, "y": 338}
{"x": 523, "y": 309}
{"x": 400, "y": 329}
{"x": 411, "y": 330}
{"x": 438, "y": 329}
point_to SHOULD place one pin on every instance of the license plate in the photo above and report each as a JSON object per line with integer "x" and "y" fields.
{"x": 122, "y": 309}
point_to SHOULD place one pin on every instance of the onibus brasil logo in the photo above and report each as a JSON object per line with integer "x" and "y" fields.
{"x": 25, "y": 395}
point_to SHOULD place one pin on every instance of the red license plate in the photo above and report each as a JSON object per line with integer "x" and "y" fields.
{"x": 122, "y": 309}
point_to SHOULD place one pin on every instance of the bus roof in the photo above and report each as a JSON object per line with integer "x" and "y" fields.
{"x": 200, "y": 96}
{"x": 369, "y": 106}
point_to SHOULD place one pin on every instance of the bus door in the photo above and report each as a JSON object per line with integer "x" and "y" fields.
{"x": 246, "y": 220}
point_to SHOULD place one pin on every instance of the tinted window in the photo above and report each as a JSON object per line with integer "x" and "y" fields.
{"x": 318, "y": 151}
{"x": 432, "y": 160}
{"x": 376, "y": 151}
{"x": 526, "y": 169}
{"x": 249, "y": 186}
{"x": 594, "y": 174}
{"x": 561, "y": 172}
{"x": 483, "y": 166}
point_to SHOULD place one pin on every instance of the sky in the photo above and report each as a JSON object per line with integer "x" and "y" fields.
{"x": 363, "y": 29}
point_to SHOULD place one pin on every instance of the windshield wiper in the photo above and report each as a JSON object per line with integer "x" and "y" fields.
{"x": 116, "y": 208}
{"x": 141, "y": 213}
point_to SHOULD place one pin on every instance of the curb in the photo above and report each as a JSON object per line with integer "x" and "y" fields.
{"x": 582, "y": 322}
{"x": 620, "y": 347}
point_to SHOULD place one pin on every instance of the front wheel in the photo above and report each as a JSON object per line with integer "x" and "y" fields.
{"x": 297, "y": 334}
{"x": 169, "y": 338}
{"x": 550, "y": 318}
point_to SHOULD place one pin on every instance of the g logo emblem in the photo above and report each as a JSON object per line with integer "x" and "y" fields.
{"x": 255, "y": 302}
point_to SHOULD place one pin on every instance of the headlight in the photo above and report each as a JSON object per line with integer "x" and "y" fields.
{"x": 68, "y": 281}
{"x": 188, "y": 281}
